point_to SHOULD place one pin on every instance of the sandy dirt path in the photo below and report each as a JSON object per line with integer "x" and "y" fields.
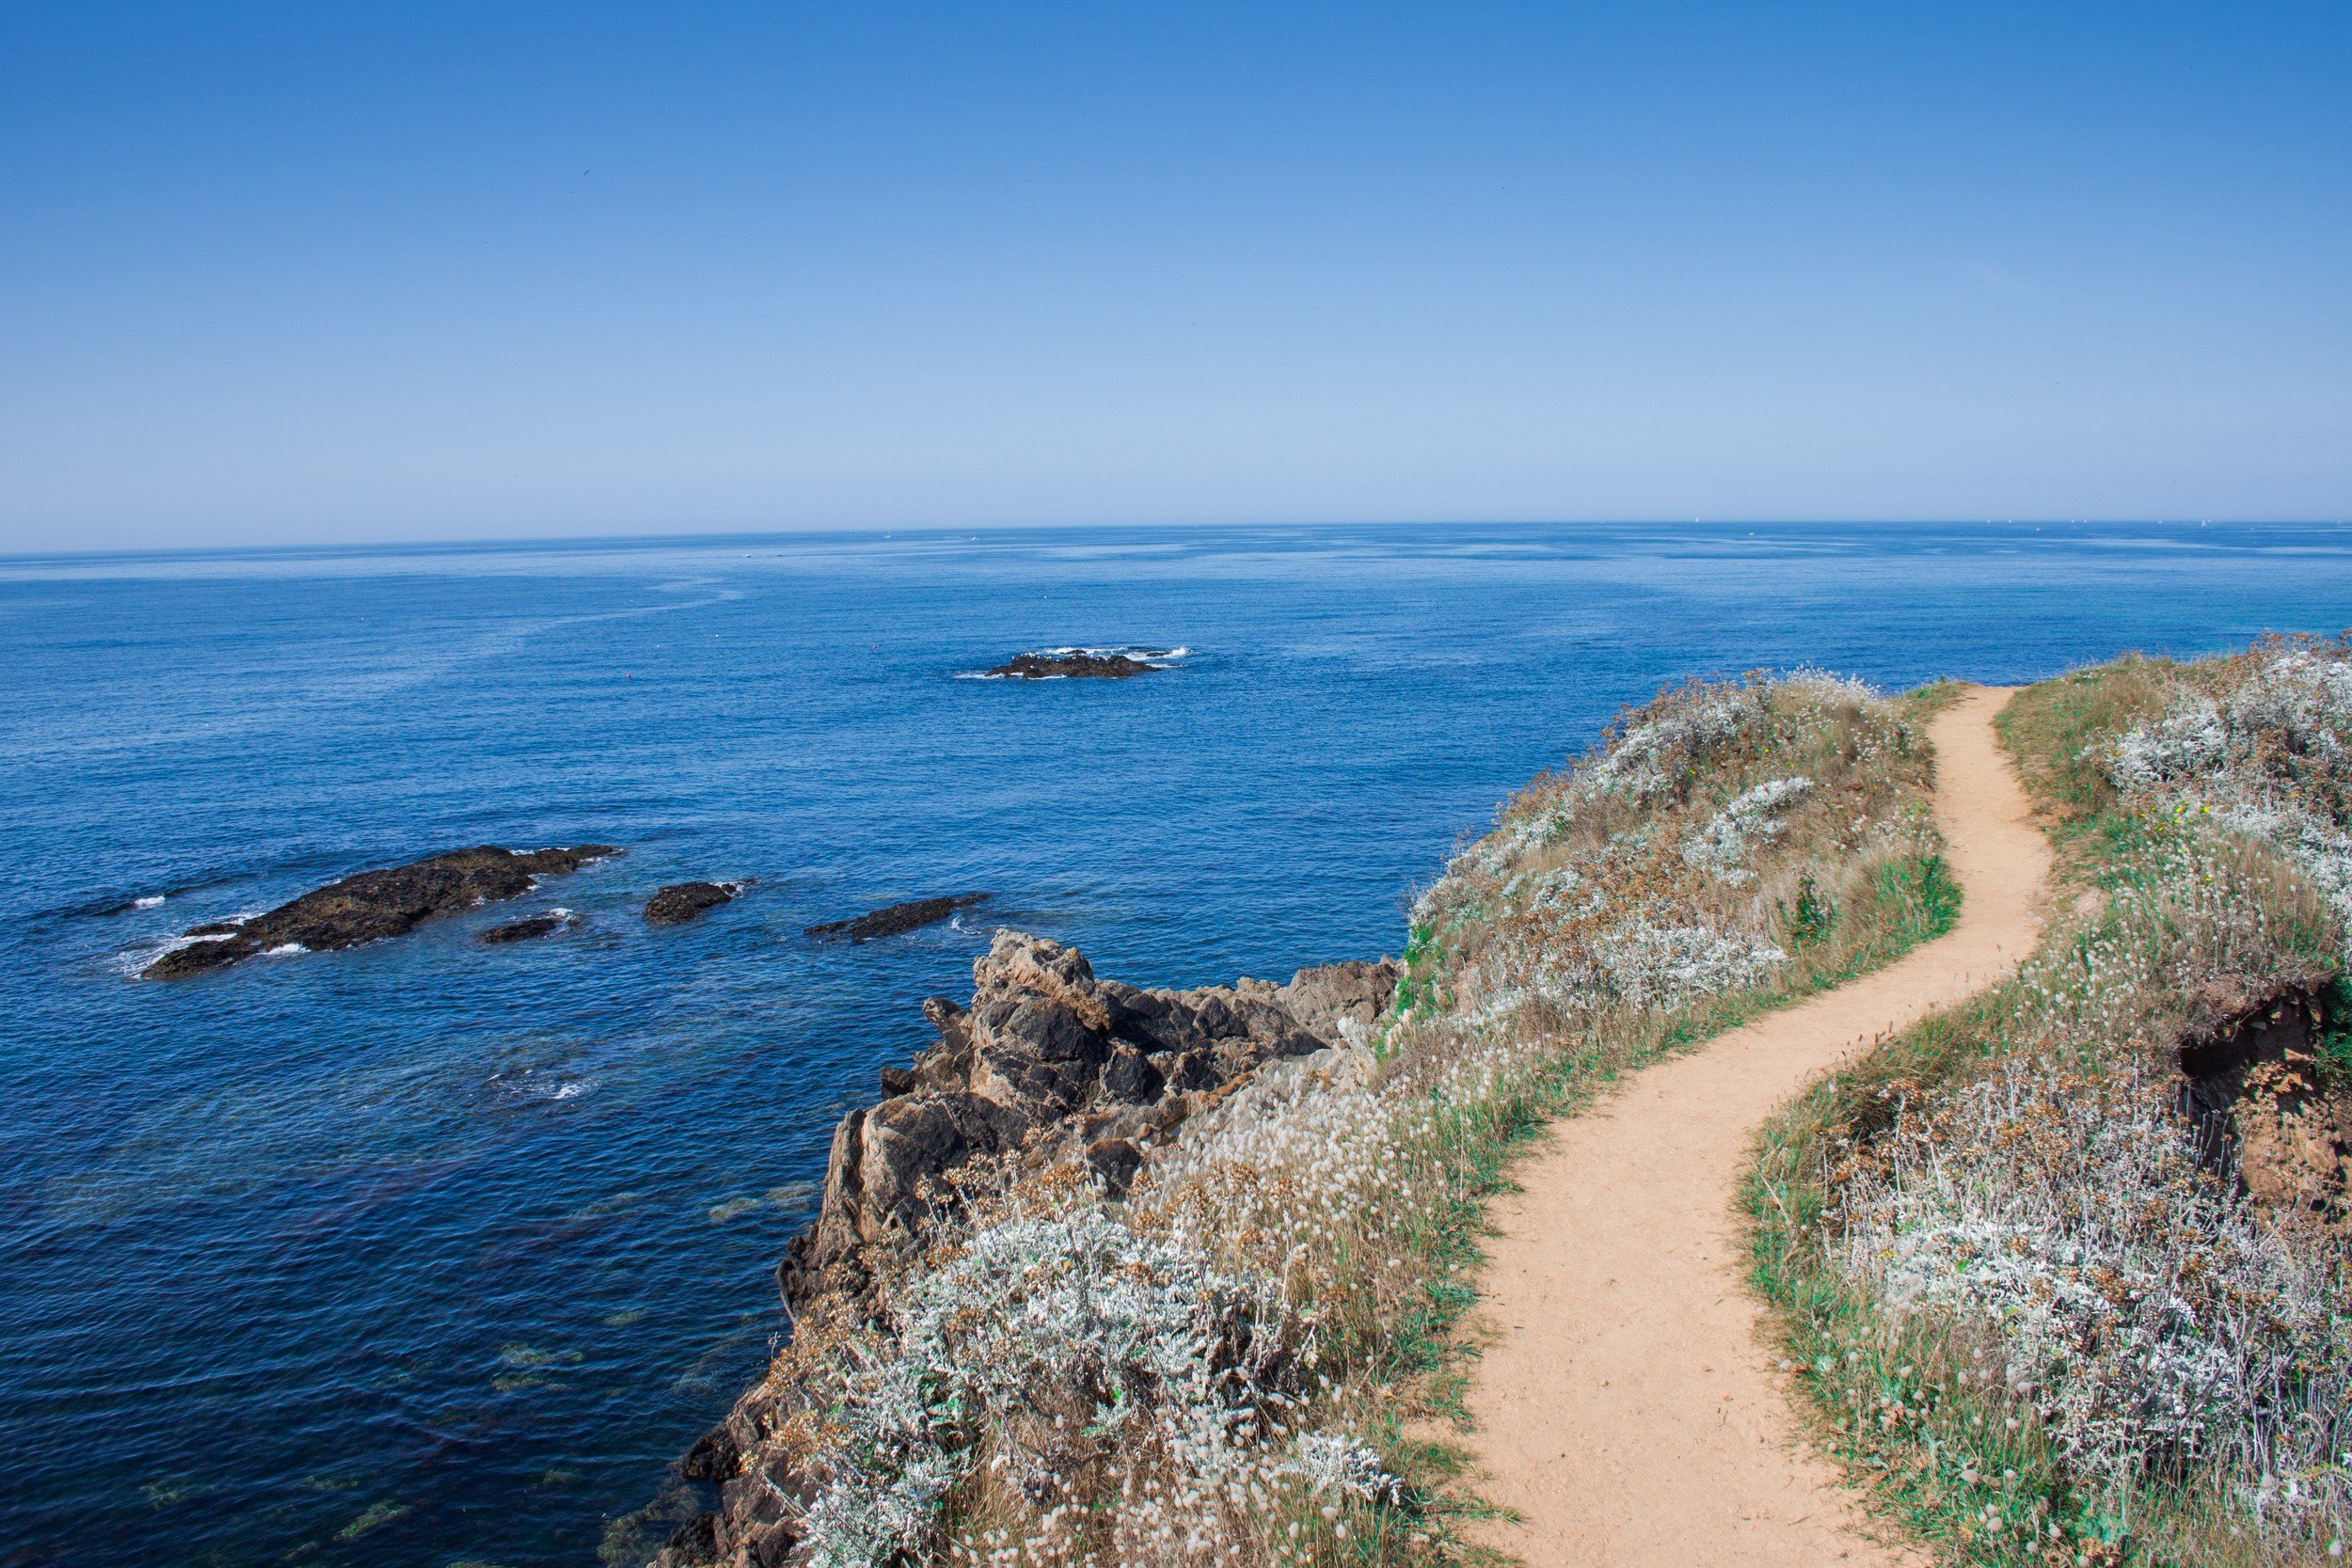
{"x": 1627, "y": 1407}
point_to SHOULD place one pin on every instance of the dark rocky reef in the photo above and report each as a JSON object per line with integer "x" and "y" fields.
{"x": 523, "y": 930}
{"x": 1077, "y": 665}
{"x": 375, "y": 905}
{"x": 1048, "y": 1062}
{"x": 889, "y": 922}
{"x": 680, "y": 902}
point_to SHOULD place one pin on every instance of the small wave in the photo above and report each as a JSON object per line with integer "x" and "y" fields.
{"x": 538, "y": 1083}
{"x": 1128, "y": 650}
{"x": 284, "y": 950}
{"x": 153, "y": 900}
{"x": 132, "y": 963}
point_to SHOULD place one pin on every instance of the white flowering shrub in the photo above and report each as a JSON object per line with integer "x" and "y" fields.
{"x": 2261, "y": 744}
{"x": 1052, "y": 1358}
{"x": 1722, "y": 847}
{"x": 2152, "y": 1318}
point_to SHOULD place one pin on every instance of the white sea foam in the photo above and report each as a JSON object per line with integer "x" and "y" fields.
{"x": 132, "y": 963}
{"x": 1122, "y": 650}
{"x": 150, "y": 901}
{"x": 284, "y": 950}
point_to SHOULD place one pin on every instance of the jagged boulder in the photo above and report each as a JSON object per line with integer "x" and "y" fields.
{"x": 680, "y": 902}
{"x": 1048, "y": 1051}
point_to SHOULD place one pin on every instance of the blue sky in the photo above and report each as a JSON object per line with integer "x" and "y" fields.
{"x": 334, "y": 273}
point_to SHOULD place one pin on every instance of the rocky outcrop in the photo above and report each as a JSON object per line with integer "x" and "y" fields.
{"x": 1077, "y": 665}
{"x": 375, "y": 905}
{"x": 680, "y": 902}
{"x": 1047, "y": 1063}
{"x": 1048, "y": 1050}
{"x": 895, "y": 918}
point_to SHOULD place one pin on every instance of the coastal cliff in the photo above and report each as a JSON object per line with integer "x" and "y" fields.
{"x": 1121, "y": 1275}
{"x": 1048, "y": 1068}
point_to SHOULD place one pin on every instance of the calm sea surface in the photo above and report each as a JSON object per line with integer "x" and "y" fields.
{"x": 432, "y": 1252}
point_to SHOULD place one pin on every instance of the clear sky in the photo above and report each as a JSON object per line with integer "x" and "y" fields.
{"x": 388, "y": 271}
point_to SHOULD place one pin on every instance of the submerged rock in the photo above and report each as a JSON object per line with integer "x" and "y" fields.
{"x": 523, "y": 930}
{"x": 1077, "y": 664}
{"x": 375, "y": 905}
{"x": 895, "y": 918}
{"x": 683, "y": 901}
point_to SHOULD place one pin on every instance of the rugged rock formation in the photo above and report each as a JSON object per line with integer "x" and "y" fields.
{"x": 680, "y": 902}
{"x": 1077, "y": 665}
{"x": 375, "y": 905}
{"x": 1046, "y": 1048}
{"x": 1047, "y": 1061}
{"x": 523, "y": 930}
{"x": 889, "y": 922}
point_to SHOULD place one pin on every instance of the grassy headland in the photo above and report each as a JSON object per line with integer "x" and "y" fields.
{"x": 1229, "y": 1365}
{"x": 2064, "y": 1271}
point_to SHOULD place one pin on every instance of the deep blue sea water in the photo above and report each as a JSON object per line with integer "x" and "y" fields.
{"x": 431, "y": 1253}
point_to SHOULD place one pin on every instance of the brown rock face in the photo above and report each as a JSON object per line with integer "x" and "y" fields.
{"x": 2295, "y": 1144}
{"x": 683, "y": 901}
{"x": 375, "y": 905}
{"x": 2252, "y": 1087}
{"x": 1046, "y": 1049}
{"x": 1047, "y": 1058}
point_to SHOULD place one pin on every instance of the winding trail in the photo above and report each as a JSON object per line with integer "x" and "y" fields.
{"x": 1627, "y": 1411}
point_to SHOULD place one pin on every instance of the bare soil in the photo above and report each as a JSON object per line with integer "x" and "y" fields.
{"x": 1628, "y": 1411}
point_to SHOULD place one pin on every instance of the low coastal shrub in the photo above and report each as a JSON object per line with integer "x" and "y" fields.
{"x": 1248, "y": 1358}
{"x": 2049, "y": 1304}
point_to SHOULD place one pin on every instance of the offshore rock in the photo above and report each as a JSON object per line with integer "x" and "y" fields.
{"x": 375, "y": 905}
{"x": 1048, "y": 1060}
{"x": 523, "y": 930}
{"x": 680, "y": 902}
{"x": 1077, "y": 665}
{"x": 893, "y": 919}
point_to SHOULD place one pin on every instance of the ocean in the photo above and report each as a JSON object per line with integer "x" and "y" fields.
{"x": 437, "y": 1252}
